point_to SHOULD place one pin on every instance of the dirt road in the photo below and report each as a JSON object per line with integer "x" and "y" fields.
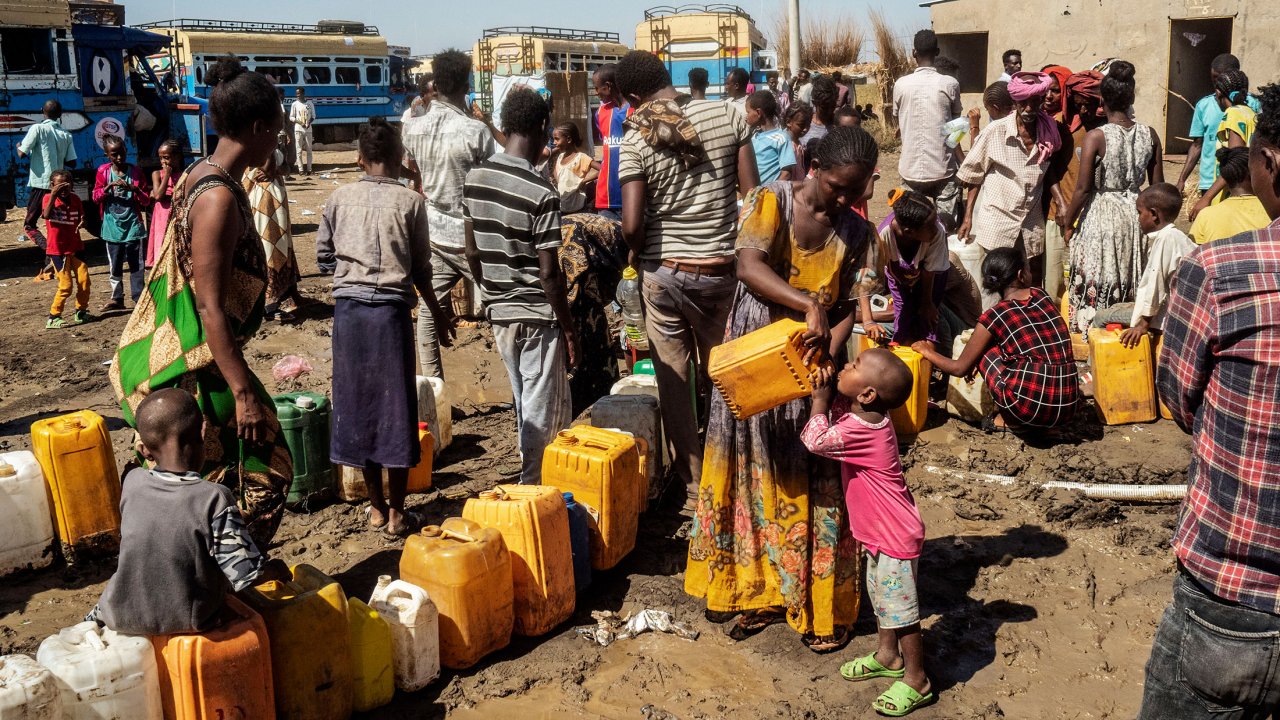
{"x": 1037, "y": 604}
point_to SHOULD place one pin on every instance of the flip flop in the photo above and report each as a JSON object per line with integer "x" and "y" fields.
{"x": 753, "y": 621}
{"x": 412, "y": 523}
{"x": 823, "y": 644}
{"x": 904, "y": 699}
{"x": 867, "y": 667}
{"x": 990, "y": 427}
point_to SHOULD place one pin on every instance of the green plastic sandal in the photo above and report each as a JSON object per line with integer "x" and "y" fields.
{"x": 904, "y": 699}
{"x": 867, "y": 667}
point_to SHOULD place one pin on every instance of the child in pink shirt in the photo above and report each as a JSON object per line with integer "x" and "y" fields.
{"x": 882, "y": 516}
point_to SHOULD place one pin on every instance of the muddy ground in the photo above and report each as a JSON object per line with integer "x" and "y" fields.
{"x": 1037, "y": 604}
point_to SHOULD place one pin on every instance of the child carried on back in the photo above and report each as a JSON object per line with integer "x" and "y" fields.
{"x": 857, "y": 431}
{"x": 183, "y": 542}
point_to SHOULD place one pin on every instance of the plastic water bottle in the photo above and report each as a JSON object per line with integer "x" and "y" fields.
{"x": 632, "y": 313}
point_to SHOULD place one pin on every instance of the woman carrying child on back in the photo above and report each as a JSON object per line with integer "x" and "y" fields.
{"x": 916, "y": 266}
{"x": 375, "y": 232}
{"x": 571, "y": 169}
{"x": 1022, "y": 348}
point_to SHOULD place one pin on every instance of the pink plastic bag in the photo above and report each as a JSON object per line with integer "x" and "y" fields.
{"x": 290, "y": 367}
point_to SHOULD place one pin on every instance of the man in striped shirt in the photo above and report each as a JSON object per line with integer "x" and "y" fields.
{"x": 512, "y": 217}
{"x": 683, "y": 164}
{"x": 1214, "y": 653}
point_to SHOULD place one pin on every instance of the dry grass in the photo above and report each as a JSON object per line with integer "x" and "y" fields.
{"x": 895, "y": 57}
{"x": 826, "y": 43}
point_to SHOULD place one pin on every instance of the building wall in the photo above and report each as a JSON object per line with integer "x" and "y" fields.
{"x": 1079, "y": 33}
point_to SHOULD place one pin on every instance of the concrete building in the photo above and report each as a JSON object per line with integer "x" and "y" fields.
{"x": 1170, "y": 41}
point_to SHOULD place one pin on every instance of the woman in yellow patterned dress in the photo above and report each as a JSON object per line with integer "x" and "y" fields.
{"x": 769, "y": 538}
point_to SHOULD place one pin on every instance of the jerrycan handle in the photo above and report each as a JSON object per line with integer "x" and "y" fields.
{"x": 94, "y": 640}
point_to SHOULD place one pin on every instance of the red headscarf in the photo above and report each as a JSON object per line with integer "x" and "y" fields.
{"x": 1061, "y": 74}
{"x": 1086, "y": 84}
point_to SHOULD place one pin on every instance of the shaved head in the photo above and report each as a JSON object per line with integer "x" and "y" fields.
{"x": 167, "y": 414}
{"x": 890, "y": 377}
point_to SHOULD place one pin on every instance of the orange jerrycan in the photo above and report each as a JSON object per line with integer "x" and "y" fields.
{"x": 602, "y": 469}
{"x": 909, "y": 419}
{"x": 466, "y": 570}
{"x": 763, "y": 369}
{"x": 310, "y": 644}
{"x": 222, "y": 673}
{"x": 84, "y": 485}
{"x": 534, "y": 523}
{"x": 1124, "y": 386}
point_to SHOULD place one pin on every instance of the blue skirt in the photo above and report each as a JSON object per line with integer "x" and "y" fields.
{"x": 375, "y": 400}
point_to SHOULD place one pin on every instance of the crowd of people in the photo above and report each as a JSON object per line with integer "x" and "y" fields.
{"x": 735, "y": 213}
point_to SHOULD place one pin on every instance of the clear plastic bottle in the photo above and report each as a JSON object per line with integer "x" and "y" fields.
{"x": 632, "y": 310}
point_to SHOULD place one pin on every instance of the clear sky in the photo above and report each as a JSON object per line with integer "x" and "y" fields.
{"x": 428, "y": 26}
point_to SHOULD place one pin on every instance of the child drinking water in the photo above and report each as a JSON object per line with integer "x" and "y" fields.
{"x": 571, "y": 169}
{"x": 162, "y": 182}
{"x": 1158, "y": 208}
{"x": 120, "y": 191}
{"x": 916, "y": 265}
{"x": 63, "y": 214}
{"x": 180, "y": 535}
{"x": 775, "y": 157}
{"x": 1023, "y": 348}
{"x": 857, "y": 431}
{"x": 374, "y": 232}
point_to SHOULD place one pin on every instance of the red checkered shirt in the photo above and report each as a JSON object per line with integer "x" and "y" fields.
{"x": 1219, "y": 375}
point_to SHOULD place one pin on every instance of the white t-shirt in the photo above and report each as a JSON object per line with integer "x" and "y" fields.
{"x": 932, "y": 257}
{"x": 302, "y": 114}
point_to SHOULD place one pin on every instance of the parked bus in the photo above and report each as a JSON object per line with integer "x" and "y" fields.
{"x": 508, "y": 56}
{"x": 345, "y": 67}
{"x": 81, "y": 55}
{"x": 714, "y": 37}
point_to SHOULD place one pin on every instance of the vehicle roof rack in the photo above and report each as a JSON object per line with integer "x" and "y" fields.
{"x": 714, "y": 9}
{"x": 553, "y": 33}
{"x": 241, "y": 26}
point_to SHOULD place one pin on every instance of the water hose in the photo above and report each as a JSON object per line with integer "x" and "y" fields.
{"x": 1141, "y": 493}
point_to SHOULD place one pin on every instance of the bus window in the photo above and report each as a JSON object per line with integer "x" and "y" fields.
{"x": 324, "y": 60}
{"x": 26, "y": 51}
{"x": 316, "y": 75}
{"x": 347, "y": 60}
{"x": 279, "y": 74}
{"x": 373, "y": 74}
{"x": 347, "y": 75}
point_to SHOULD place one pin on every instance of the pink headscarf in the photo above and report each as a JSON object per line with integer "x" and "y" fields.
{"x": 1026, "y": 85}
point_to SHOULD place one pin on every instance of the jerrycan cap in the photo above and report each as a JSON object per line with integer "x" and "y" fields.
{"x": 432, "y": 531}
{"x": 7, "y": 470}
{"x": 568, "y": 498}
{"x": 423, "y": 427}
{"x": 305, "y": 402}
{"x": 564, "y": 437}
{"x": 630, "y": 273}
{"x": 488, "y": 495}
{"x": 1115, "y": 327}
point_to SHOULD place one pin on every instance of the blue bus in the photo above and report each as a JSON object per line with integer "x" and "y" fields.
{"x": 345, "y": 67}
{"x": 82, "y": 56}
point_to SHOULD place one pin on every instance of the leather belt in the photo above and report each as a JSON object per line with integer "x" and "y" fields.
{"x": 720, "y": 270}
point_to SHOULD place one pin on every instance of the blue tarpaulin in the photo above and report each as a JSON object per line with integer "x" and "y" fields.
{"x": 100, "y": 53}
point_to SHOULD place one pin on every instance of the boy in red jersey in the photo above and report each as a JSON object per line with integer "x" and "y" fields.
{"x": 613, "y": 112}
{"x": 63, "y": 213}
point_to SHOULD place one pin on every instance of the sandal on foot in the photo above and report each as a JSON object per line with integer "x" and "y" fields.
{"x": 753, "y": 621}
{"x": 823, "y": 644}
{"x": 411, "y": 523}
{"x": 867, "y": 667}
{"x": 990, "y": 427}
{"x": 368, "y": 516}
{"x": 901, "y": 699}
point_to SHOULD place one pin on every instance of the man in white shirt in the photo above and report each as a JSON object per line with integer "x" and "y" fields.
{"x": 924, "y": 101}
{"x": 1012, "y": 60}
{"x": 303, "y": 115}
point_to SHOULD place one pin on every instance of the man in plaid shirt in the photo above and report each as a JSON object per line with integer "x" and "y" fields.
{"x": 1216, "y": 650}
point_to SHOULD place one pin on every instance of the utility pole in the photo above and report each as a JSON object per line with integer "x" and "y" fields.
{"x": 793, "y": 29}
